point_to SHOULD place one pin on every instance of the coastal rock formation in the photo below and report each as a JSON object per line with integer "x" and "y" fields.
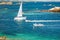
{"x": 55, "y": 9}
{"x": 3, "y": 3}
{"x": 2, "y": 38}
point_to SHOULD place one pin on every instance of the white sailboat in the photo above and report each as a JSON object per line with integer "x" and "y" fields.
{"x": 20, "y": 14}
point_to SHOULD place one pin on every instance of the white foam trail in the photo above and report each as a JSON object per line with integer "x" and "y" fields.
{"x": 43, "y": 25}
{"x": 38, "y": 24}
{"x": 42, "y": 20}
{"x": 52, "y": 25}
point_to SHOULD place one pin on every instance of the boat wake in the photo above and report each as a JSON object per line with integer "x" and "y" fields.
{"x": 42, "y": 20}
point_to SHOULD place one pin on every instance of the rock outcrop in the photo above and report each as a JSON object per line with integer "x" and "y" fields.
{"x": 2, "y": 38}
{"x": 55, "y": 9}
{"x": 8, "y": 3}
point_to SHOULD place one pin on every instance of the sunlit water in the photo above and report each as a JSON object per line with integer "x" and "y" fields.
{"x": 22, "y": 30}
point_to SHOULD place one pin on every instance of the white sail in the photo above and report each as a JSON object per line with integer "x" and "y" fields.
{"x": 20, "y": 11}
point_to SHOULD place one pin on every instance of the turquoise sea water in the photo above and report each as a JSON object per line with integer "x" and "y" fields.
{"x": 22, "y": 30}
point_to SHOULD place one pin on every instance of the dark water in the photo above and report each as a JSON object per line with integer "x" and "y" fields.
{"x": 24, "y": 30}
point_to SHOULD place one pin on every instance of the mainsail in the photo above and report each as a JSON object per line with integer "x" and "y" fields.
{"x": 20, "y": 11}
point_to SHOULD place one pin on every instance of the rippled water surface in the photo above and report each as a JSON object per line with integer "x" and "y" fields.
{"x": 22, "y": 30}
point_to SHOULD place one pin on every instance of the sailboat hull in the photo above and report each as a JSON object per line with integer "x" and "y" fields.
{"x": 19, "y": 18}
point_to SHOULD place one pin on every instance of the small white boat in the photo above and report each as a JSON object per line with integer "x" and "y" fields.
{"x": 20, "y": 14}
{"x": 38, "y": 24}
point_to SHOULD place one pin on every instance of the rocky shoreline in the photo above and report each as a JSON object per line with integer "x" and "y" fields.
{"x": 2, "y": 38}
{"x": 55, "y": 9}
{"x": 3, "y": 3}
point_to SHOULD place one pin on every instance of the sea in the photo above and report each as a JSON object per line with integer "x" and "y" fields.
{"x": 22, "y": 30}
